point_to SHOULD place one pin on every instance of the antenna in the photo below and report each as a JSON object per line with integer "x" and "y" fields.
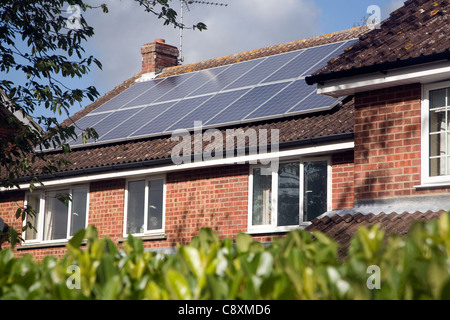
{"x": 184, "y": 2}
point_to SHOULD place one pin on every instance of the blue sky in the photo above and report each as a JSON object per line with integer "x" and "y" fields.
{"x": 242, "y": 25}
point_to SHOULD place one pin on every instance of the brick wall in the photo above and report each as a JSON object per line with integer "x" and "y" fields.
{"x": 343, "y": 180}
{"x": 210, "y": 197}
{"x": 387, "y": 143}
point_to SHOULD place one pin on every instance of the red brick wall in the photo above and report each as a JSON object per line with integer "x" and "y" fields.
{"x": 387, "y": 143}
{"x": 343, "y": 180}
{"x": 210, "y": 197}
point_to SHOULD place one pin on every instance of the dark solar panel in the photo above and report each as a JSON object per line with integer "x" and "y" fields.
{"x": 224, "y": 78}
{"x": 240, "y": 92}
{"x": 247, "y": 103}
{"x": 209, "y": 109}
{"x": 126, "y": 96}
{"x": 166, "y": 119}
{"x": 303, "y": 62}
{"x": 137, "y": 120}
{"x": 283, "y": 101}
{"x": 265, "y": 68}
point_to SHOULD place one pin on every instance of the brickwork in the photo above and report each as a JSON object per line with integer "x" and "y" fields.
{"x": 388, "y": 144}
{"x": 343, "y": 181}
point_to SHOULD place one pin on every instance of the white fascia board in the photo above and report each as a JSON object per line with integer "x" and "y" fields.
{"x": 425, "y": 73}
{"x": 285, "y": 154}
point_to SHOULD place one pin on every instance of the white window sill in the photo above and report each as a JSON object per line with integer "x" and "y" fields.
{"x": 155, "y": 236}
{"x": 433, "y": 185}
{"x": 39, "y": 245}
{"x": 259, "y": 231}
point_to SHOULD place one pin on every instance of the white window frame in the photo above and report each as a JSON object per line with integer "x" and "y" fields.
{"x": 40, "y": 222}
{"x": 426, "y": 179}
{"x": 146, "y": 232}
{"x": 273, "y": 227}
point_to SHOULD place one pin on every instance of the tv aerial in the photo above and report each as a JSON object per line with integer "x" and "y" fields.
{"x": 187, "y": 3}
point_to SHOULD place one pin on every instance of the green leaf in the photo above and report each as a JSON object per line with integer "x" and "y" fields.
{"x": 178, "y": 285}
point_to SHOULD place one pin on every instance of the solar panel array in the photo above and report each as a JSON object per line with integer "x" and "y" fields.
{"x": 257, "y": 89}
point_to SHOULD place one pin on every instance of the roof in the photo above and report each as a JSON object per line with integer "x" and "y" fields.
{"x": 342, "y": 228}
{"x": 337, "y": 122}
{"x": 415, "y": 33}
{"x": 222, "y": 61}
{"x": 303, "y": 128}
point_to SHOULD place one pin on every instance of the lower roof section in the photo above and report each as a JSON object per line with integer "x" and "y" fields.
{"x": 301, "y": 130}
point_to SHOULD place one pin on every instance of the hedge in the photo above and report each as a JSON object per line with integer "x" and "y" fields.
{"x": 301, "y": 265}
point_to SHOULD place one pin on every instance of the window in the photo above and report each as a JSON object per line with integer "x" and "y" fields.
{"x": 145, "y": 206}
{"x": 56, "y": 219}
{"x": 436, "y": 133}
{"x": 293, "y": 196}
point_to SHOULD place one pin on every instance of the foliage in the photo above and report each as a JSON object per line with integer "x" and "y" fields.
{"x": 298, "y": 266}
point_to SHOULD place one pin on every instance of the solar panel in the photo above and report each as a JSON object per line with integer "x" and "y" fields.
{"x": 261, "y": 88}
{"x": 208, "y": 110}
{"x": 247, "y": 103}
{"x": 226, "y": 77}
{"x": 126, "y": 96}
{"x": 303, "y": 62}
{"x": 162, "y": 121}
{"x": 137, "y": 120}
{"x": 265, "y": 68}
{"x": 286, "y": 99}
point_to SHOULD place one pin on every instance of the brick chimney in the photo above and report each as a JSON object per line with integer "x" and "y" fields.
{"x": 158, "y": 55}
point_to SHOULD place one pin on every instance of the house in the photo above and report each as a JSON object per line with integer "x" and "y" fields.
{"x": 244, "y": 143}
{"x": 164, "y": 185}
{"x": 399, "y": 76}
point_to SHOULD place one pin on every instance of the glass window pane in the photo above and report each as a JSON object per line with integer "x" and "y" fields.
{"x": 78, "y": 214}
{"x": 437, "y": 121}
{"x": 436, "y": 144}
{"x": 155, "y": 204}
{"x": 262, "y": 198}
{"x": 56, "y": 216}
{"x": 288, "y": 194}
{"x": 437, "y": 98}
{"x": 33, "y": 201}
{"x": 135, "y": 207}
{"x": 315, "y": 189}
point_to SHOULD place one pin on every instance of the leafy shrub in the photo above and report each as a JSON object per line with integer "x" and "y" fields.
{"x": 299, "y": 266}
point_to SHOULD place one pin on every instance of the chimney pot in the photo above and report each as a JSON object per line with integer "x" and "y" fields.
{"x": 160, "y": 40}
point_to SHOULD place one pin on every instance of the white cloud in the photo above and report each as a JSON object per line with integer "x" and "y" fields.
{"x": 242, "y": 25}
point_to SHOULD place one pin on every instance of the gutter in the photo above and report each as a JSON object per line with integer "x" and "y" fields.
{"x": 383, "y": 67}
{"x": 160, "y": 162}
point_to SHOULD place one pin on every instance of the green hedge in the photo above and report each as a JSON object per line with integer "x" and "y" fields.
{"x": 298, "y": 266}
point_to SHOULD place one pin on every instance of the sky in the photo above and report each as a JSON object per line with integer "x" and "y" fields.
{"x": 240, "y": 26}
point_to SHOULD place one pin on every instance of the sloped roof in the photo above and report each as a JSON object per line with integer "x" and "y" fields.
{"x": 415, "y": 33}
{"x": 222, "y": 61}
{"x": 343, "y": 228}
{"x": 335, "y": 122}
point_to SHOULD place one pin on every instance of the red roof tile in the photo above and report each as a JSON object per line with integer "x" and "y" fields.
{"x": 419, "y": 28}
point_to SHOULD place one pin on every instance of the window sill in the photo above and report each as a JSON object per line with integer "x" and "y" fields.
{"x": 283, "y": 230}
{"x": 159, "y": 236}
{"x": 42, "y": 245}
{"x": 433, "y": 185}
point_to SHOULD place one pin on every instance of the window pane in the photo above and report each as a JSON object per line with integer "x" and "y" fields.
{"x": 288, "y": 194}
{"x": 79, "y": 203}
{"x": 262, "y": 198}
{"x": 33, "y": 200}
{"x": 56, "y": 215}
{"x": 135, "y": 207}
{"x": 437, "y": 121}
{"x": 315, "y": 189}
{"x": 437, "y": 98}
{"x": 155, "y": 204}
